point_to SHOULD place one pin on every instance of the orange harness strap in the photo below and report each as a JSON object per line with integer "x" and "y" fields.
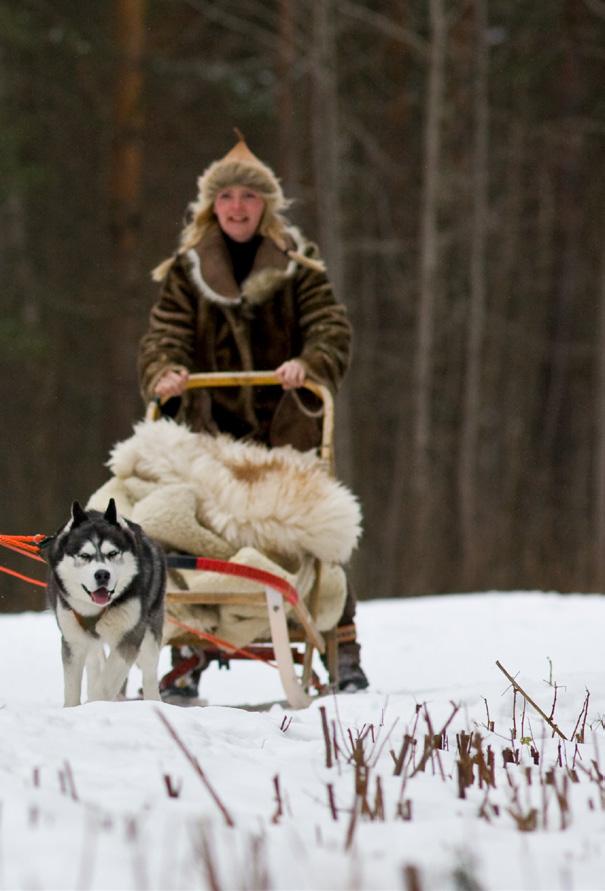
{"x": 27, "y": 546}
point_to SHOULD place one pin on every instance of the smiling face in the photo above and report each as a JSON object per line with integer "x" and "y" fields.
{"x": 239, "y": 211}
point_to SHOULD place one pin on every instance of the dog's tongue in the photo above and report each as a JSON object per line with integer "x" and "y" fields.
{"x": 101, "y": 596}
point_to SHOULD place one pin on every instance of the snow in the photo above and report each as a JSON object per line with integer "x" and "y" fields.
{"x": 83, "y": 793}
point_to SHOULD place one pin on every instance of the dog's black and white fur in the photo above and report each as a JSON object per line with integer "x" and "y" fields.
{"x": 106, "y": 586}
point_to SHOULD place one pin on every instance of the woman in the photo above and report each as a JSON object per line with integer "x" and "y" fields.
{"x": 246, "y": 291}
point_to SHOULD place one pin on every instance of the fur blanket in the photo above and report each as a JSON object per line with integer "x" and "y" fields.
{"x": 275, "y": 509}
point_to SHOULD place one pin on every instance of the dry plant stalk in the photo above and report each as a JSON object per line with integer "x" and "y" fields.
{"x": 408, "y": 743}
{"x": 279, "y": 810}
{"x": 485, "y": 763}
{"x": 332, "y": 802}
{"x": 173, "y": 789}
{"x": 531, "y": 702}
{"x": 411, "y": 878}
{"x": 510, "y": 756}
{"x": 554, "y": 702}
{"x": 335, "y": 746}
{"x": 376, "y": 752}
{"x": 196, "y": 766}
{"x": 562, "y": 796}
{"x": 204, "y": 853}
{"x": 378, "y": 813}
{"x": 579, "y": 737}
{"x": 490, "y": 724}
{"x": 352, "y": 824}
{"x": 431, "y": 748}
{"x": 526, "y": 820}
{"x": 326, "y": 733}
{"x": 257, "y": 868}
{"x": 67, "y": 782}
{"x": 404, "y": 809}
{"x": 362, "y": 774}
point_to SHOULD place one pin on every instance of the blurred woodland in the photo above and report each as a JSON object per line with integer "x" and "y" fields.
{"x": 449, "y": 158}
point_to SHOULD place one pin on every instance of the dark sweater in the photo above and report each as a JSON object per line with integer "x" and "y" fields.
{"x": 242, "y": 255}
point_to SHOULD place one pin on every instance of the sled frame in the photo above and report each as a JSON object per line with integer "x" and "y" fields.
{"x": 270, "y": 593}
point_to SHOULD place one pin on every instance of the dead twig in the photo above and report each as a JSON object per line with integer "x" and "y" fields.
{"x": 173, "y": 790}
{"x": 279, "y": 810}
{"x": 431, "y": 747}
{"x": 531, "y": 702}
{"x": 579, "y": 737}
{"x": 196, "y": 766}
{"x": 326, "y": 732}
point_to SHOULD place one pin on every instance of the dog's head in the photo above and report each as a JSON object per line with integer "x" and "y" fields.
{"x": 93, "y": 556}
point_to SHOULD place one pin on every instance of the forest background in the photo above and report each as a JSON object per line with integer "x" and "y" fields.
{"x": 447, "y": 155}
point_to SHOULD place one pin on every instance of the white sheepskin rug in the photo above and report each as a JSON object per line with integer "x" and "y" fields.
{"x": 279, "y": 501}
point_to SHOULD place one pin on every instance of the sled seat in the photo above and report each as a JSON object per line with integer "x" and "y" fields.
{"x": 264, "y": 590}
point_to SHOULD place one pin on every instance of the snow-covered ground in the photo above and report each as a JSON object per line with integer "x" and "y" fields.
{"x": 84, "y": 797}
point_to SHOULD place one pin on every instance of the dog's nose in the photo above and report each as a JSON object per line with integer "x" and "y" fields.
{"x": 101, "y": 577}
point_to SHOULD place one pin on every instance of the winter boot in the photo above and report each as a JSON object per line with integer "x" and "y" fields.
{"x": 182, "y": 681}
{"x": 351, "y": 676}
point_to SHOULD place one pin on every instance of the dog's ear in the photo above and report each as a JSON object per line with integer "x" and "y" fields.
{"x": 77, "y": 514}
{"x": 111, "y": 514}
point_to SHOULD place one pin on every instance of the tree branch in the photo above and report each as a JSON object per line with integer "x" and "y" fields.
{"x": 385, "y": 25}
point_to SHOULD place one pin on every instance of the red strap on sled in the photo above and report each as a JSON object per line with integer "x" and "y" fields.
{"x": 288, "y": 592}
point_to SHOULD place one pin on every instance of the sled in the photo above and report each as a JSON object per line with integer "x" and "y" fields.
{"x": 293, "y": 638}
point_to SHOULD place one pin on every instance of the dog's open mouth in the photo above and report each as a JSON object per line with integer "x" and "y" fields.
{"x": 101, "y": 596}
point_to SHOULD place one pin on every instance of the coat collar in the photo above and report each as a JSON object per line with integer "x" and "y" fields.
{"x": 209, "y": 269}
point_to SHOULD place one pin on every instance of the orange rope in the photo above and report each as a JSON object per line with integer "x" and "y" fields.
{"x": 11, "y": 543}
{"x": 24, "y": 578}
{"x": 25, "y": 540}
{"x": 219, "y": 642}
{"x": 26, "y": 546}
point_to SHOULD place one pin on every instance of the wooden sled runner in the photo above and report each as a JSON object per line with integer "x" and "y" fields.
{"x": 268, "y": 590}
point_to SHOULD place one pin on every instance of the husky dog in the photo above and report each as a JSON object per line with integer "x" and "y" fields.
{"x": 106, "y": 586}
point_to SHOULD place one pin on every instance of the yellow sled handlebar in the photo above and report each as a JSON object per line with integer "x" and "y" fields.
{"x": 263, "y": 378}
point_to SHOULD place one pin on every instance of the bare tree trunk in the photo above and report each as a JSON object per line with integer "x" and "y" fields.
{"x": 429, "y": 258}
{"x": 568, "y": 279}
{"x": 288, "y": 126}
{"x": 126, "y": 181}
{"x": 325, "y": 136}
{"x": 471, "y": 419}
{"x": 420, "y": 511}
{"x": 326, "y": 168}
{"x": 599, "y": 518}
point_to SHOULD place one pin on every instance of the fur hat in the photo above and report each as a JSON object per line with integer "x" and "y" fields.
{"x": 239, "y": 167}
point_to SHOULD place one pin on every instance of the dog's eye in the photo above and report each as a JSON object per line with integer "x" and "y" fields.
{"x": 112, "y": 555}
{"x": 85, "y": 557}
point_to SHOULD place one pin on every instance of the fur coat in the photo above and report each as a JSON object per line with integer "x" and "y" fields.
{"x": 274, "y": 509}
{"x": 204, "y": 321}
